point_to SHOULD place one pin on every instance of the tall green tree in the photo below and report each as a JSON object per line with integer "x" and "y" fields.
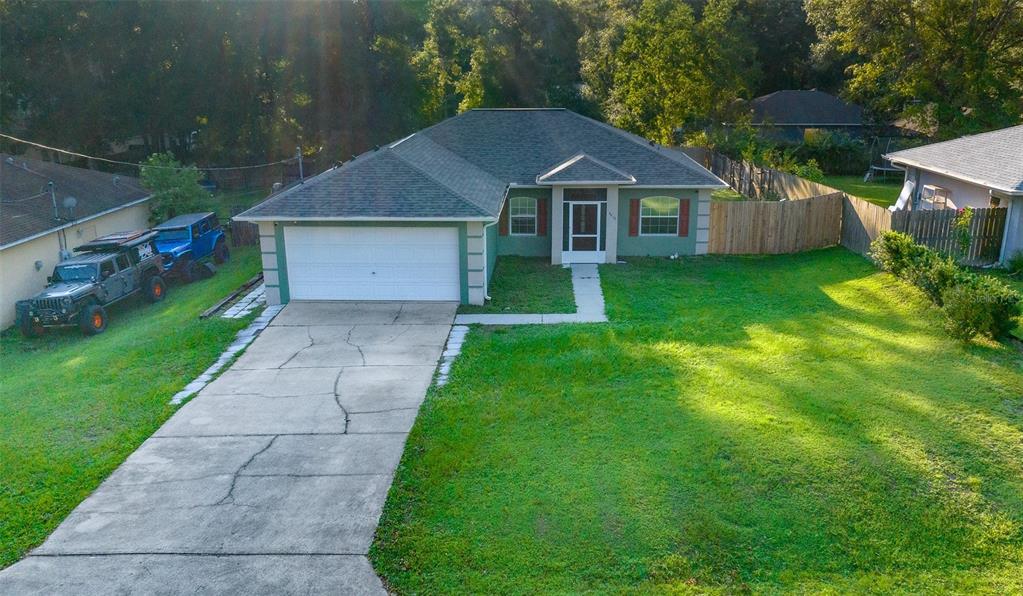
{"x": 660, "y": 66}
{"x": 954, "y": 66}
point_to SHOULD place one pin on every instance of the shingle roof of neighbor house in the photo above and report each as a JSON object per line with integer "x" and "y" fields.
{"x": 804, "y": 108}
{"x": 26, "y": 207}
{"x": 992, "y": 159}
{"x": 461, "y": 168}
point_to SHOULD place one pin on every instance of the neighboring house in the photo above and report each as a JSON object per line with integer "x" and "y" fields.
{"x": 789, "y": 115}
{"x": 425, "y": 218}
{"x": 38, "y": 227}
{"x": 984, "y": 170}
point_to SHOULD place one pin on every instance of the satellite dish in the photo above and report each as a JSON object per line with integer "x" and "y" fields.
{"x": 70, "y": 203}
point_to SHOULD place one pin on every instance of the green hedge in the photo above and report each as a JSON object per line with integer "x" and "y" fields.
{"x": 973, "y": 304}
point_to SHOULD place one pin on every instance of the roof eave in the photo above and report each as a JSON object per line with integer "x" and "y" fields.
{"x": 895, "y": 159}
{"x": 545, "y": 183}
{"x": 73, "y": 223}
{"x": 259, "y": 218}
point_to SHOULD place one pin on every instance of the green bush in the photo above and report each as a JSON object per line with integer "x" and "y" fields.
{"x": 973, "y": 304}
{"x": 934, "y": 273}
{"x": 896, "y": 252}
{"x": 981, "y": 306}
{"x": 1015, "y": 263}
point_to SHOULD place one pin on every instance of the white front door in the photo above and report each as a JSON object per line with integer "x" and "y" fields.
{"x": 584, "y": 233}
{"x": 372, "y": 263}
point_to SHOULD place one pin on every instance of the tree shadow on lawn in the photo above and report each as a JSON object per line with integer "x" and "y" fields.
{"x": 830, "y": 429}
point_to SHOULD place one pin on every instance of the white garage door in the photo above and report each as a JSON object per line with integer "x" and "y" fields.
{"x": 372, "y": 263}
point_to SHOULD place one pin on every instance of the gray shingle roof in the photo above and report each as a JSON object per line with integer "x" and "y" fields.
{"x": 26, "y": 208}
{"x": 811, "y": 108}
{"x": 992, "y": 159}
{"x": 461, "y": 167}
{"x": 378, "y": 184}
{"x": 583, "y": 168}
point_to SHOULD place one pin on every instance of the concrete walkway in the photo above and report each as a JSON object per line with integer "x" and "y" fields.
{"x": 589, "y": 304}
{"x": 272, "y": 479}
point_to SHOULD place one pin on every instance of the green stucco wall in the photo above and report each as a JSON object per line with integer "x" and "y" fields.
{"x": 527, "y": 246}
{"x": 654, "y": 246}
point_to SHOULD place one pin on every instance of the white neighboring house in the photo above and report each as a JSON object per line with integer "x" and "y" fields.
{"x": 38, "y": 227}
{"x": 979, "y": 171}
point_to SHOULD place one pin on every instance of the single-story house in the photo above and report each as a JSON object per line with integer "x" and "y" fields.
{"x": 425, "y": 217}
{"x": 46, "y": 210}
{"x": 790, "y": 114}
{"x": 983, "y": 170}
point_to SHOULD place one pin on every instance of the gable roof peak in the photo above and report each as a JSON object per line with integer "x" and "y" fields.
{"x": 584, "y": 169}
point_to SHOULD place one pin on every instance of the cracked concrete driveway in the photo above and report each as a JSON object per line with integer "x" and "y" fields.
{"x": 272, "y": 479}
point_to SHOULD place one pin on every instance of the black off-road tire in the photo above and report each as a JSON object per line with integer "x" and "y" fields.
{"x": 29, "y": 329}
{"x": 221, "y": 254}
{"x": 92, "y": 319}
{"x": 189, "y": 270}
{"x": 155, "y": 289}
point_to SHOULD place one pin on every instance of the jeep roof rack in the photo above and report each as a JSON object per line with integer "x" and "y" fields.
{"x": 116, "y": 241}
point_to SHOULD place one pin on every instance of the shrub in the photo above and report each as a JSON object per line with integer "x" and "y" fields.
{"x": 895, "y": 252}
{"x": 1015, "y": 263}
{"x": 983, "y": 305}
{"x": 973, "y": 304}
{"x": 961, "y": 230}
{"x": 175, "y": 187}
{"x": 934, "y": 273}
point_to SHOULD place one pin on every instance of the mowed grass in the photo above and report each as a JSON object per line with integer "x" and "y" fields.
{"x": 883, "y": 193}
{"x": 73, "y": 408}
{"x": 787, "y": 424}
{"x": 527, "y": 285}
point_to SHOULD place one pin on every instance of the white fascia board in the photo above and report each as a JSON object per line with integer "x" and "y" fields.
{"x": 895, "y": 159}
{"x": 76, "y": 222}
{"x": 586, "y": 183}
{"x": 282, "y": 218}
{"x": 644, "y": 186}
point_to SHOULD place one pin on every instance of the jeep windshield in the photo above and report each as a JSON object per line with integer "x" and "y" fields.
{"x": 174, "y": 235}
{"x": 84, "y": 272}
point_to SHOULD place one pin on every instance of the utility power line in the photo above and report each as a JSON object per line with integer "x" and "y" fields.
{"x": 138, "y": 165}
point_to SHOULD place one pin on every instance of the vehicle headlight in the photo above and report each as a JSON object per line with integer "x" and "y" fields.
{"x": 66, "y": 300}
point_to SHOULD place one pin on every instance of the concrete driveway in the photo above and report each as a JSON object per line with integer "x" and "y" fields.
{"x": 272, "y": 479}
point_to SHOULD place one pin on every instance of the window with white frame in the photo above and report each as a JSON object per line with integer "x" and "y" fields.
{"x": 658, "y": 216}
{"x": 522, "y": 216}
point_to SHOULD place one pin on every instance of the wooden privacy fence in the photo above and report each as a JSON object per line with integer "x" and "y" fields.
{"x": 243, "y": 233}
{"x": 757, "y": 182}
{"x": 862, "y": 222}
{"x": 772, "y": 227}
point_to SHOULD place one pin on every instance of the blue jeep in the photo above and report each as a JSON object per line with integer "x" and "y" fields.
{"x": 187, "y": 242}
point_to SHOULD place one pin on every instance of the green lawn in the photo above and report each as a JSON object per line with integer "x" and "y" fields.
{"x": 727, "y": 194}
{"x": 527, "y": 285}
{"x": 73, "y": 408}
{"x": 775, "y": 424}
{"x": 879, "y": 193}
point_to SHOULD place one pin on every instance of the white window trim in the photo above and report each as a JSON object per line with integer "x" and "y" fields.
{"x": 534, "y": 217}
{"x": 642, "y": 217}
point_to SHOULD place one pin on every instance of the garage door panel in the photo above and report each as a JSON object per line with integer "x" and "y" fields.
{"x": 372, "y": 263}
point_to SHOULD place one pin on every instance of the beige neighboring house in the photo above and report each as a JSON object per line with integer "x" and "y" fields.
{"x": 40, "y": 226}
{"x": 979, "y": 171}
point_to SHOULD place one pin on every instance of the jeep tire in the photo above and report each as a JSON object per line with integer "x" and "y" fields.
{"x": 30, "y": 329}
{"x": 189, "y": 270}
{"x": 221, "y": 254}
{"x": 155, "y": 289}
{"x": 92, "y": 319}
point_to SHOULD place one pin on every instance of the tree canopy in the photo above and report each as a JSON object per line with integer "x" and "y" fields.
{"x": 220, "y": 82}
